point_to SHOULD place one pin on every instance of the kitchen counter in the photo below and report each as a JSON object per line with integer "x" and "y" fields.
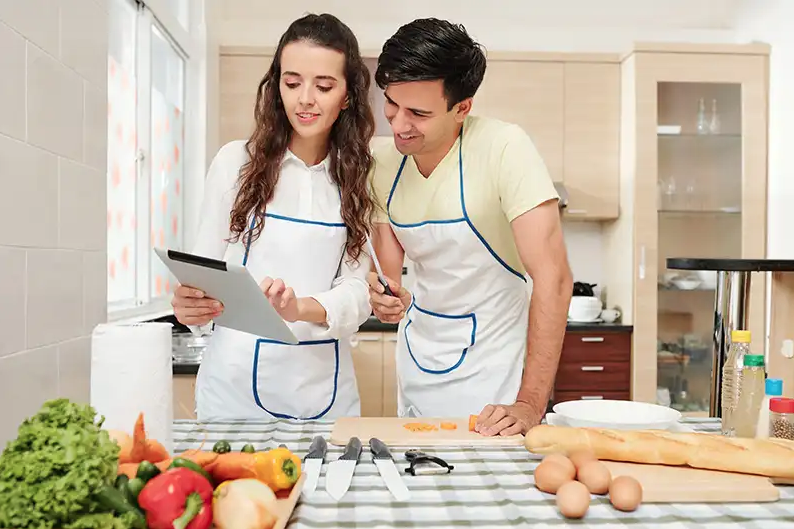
{"x": 373, "y": 325}
{"x": 489, "y": 487}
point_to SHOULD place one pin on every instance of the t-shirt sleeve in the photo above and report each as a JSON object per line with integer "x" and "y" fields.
{"x": 523, "y": 180}
{"x": 381, "y": 177}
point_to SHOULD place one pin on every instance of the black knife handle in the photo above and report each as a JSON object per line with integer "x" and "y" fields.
{"x": 317, "y": 449}
{"x": 379, "y": 449}
{"x": 352, "y": 450}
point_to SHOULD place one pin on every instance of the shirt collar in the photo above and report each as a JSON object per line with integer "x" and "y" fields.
{"x": 324, "y": 165}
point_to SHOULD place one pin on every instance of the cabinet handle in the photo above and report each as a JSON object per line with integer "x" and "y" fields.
{"x": 391, "y": 337}
{"x": 576, "y": 211}
{"x": 368, "y": 338}
{"x": 592, "y": 397}
{"x": 592, "y": 339}
{"x": 592, "y": 368}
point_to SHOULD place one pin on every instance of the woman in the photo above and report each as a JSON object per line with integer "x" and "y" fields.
{"x": 292, "y": 204}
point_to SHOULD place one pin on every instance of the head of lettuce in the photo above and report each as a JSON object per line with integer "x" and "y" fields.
{"x": 54, "y": 474}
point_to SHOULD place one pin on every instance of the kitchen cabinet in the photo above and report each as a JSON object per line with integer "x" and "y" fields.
{"x": 241, "y": 71}
{"x": 691, "y": 186}
{"x": 184, "y": 391}
{"x": 374, "y": 363}
{"x": 594, "y": 365}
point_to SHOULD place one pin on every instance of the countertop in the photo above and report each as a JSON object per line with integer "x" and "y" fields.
{"x": 373, "y": 325}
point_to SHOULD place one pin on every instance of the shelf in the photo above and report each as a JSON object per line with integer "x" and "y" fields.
{"x": 724, "y": 211}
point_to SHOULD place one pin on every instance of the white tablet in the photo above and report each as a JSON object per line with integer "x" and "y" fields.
{"x": 245, "y": 306}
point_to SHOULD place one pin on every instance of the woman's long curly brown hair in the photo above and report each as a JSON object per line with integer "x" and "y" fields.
{"x": 350, "y": 158}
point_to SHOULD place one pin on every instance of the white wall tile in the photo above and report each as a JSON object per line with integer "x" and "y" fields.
{"x": 95, "y": 290}
{"x": 55, "y": 296}
{"x": 82, "y": 209}
{"x": 12, "y": 294}
{"x": 27, "y": 380}
{"x": 84, "y": 39}
{"x": 74, "y": 369}
{"x": 95, "y": 127}
{"x": 55, "y": 105}
{"x": 12, "y": 88}
{"x": 36, "y": 20}
{"x": 28, "y": 195}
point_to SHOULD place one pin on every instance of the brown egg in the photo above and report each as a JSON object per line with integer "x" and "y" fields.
{"x": 581, "y": 457}
{"x": 550, "y": 476}
{"x": 595, "y": 476}
{"x": 625, "y": 493}
{"x": 562, "y": 461}
{"x": 573, "y": 500}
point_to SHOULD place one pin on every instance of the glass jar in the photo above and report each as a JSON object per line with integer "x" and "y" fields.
{"x": 781, "y": 418}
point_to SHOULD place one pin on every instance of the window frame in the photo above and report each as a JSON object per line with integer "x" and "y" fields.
{"x": 190, "y": 44}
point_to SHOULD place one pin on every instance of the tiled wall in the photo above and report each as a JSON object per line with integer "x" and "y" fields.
{"x": 53, "y": 151}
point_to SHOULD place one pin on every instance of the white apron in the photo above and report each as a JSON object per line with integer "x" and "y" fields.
{"x": 243, "y": 376}
{"x": 462, "y": 342}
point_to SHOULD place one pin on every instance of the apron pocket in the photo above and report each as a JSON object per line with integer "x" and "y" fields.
{"x": 296, "y": 381}
{"x": 437, "y": 342}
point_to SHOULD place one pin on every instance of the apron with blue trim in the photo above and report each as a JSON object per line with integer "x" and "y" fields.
{"x": 243, "y": 376}
{"x": 462, "y": 342}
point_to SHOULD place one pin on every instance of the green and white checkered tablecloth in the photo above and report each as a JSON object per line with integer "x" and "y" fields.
{"x": 489, "y": 487}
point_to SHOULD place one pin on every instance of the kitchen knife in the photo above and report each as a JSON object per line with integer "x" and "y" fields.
{"x": 385, "y": 463}
{"x": 381, "y": 277}
{"x": 340, "y": 472}
{"x": 313, "y": 462}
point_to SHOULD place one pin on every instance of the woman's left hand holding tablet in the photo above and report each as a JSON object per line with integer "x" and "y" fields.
{"x": 282, "y": 298}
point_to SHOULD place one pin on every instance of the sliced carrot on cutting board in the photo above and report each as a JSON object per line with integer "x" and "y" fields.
{"x": 449, "y": 426}
{"x": 419, "y": 427}
{"x": 472, "y": 422}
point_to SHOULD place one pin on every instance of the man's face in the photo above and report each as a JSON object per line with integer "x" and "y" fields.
{"x": 419, "y": 118}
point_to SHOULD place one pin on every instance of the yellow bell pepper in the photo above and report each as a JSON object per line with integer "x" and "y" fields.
{"x": 278, "y": 468}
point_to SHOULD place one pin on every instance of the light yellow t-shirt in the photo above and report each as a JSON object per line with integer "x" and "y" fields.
{"x": 503, "y": 177}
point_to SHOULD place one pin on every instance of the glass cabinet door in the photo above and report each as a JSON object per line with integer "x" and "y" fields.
{"x": 699, "y": 215}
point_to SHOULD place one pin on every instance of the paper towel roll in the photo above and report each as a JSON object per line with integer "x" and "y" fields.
{"x": 132, "y": 373}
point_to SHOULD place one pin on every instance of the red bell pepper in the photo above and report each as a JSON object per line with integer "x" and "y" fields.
{"x": 177, "y": 499}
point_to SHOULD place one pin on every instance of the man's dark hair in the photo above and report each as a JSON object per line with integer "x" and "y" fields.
{"x": 430, "y": 49}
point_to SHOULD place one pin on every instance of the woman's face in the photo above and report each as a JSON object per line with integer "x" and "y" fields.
{"x": 313, "y": 87}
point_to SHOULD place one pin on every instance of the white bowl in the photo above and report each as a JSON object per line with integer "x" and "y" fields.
{"x": 617, "y": 414}
{"x": 686, "y": 284}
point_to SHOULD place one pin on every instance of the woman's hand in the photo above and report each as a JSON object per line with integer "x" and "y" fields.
{"x": 282, "y": 298}
{"x": 192, "y": 307}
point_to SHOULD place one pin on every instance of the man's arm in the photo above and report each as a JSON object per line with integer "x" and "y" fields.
{"x": 541, "y": 247}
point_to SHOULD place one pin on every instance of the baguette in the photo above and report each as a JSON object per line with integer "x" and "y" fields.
{"x": 772, "y": 458}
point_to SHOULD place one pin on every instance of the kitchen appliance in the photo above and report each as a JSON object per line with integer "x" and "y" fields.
{"x": 340, "y": 472}
{"x": 387, "y": 470}
{"x": 392, "y": 431}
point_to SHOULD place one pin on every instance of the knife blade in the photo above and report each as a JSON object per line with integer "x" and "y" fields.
{"x": 383, "y": 459}
{"x": 381, "y": 277}
{"x": 340, "y": 472}
{"x": 313, "y": 462}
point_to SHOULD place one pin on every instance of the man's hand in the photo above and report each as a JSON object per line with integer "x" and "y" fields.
{"x": 511, "y": 419}
{"x": 388, "y": 309}
{"x": 282, "y": 298}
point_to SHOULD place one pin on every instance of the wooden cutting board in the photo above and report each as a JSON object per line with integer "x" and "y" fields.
{"x": 391, "y": 431}
{"x": 670, "y": 484}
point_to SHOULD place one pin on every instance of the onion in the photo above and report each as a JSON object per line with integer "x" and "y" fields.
{"x": 244, "y": 504}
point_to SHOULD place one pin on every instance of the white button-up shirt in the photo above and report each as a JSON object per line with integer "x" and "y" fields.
{"x": 303, "y": 192}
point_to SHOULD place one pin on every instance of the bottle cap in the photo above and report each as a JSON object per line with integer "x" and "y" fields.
{"x": 774, "y": 387}
{"x": 740, "y": 336}
{"x": 754, "y": 361}
{"x": 781, "y": 405}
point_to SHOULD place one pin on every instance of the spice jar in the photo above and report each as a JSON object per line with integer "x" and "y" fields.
{"x": 781, "y": 418}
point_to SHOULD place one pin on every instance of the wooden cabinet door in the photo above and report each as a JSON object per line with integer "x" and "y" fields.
{"x": 367, "y": 352}
{"x": 240, "y": 76}
{"x": 184, "y": 396}
{"x": 529, "y": 94}
{"x": 389, "y": 374}
{"x": 592, "y": 140}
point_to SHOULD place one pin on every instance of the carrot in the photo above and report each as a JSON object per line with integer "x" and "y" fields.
{"x": 128, "y": 469}
{"x": 124, "y": 441}
{"x": 232, "y": 465}
{"x": 155, "y": 452}
{"x": 138, "y": 451}
{"x": 472, "y": 422}
{"x": 449, "y": 426}
{"x": 419, "y": 427}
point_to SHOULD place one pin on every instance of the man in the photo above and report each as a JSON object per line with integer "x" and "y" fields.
{"x": 471, "y": 203}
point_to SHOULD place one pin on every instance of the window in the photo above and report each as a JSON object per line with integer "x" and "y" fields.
{"x": 149, "y": 62}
